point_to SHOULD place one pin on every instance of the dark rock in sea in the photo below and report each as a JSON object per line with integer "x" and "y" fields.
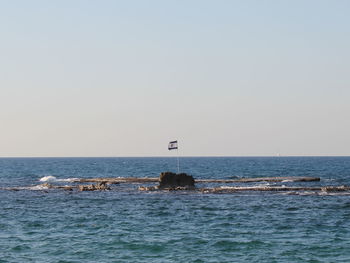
{"x": 341, "y": 188}
{"x": 169, "y": 180}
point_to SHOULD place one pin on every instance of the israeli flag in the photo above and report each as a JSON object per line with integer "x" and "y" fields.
{"x": 172, "y": 145}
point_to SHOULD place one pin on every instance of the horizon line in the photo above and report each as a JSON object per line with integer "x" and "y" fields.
{"x": 160, "y": 156}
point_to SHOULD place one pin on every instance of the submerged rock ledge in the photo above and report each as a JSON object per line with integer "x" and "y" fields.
{"x": 328, "y": 189}
{"x": 169, "y": 181}
{"x": 119, "y": 180}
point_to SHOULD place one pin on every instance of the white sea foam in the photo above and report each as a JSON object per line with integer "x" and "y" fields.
{"x": 262, "y": 185}
{"x": 37, "y": 187}
{"x": 49, "y": 178}
{"x": 287, "y": 181}
{"x": 32, "y": 188}
{"x": 53, "y": 179}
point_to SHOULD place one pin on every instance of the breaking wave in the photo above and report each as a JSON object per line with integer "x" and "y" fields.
{"x": 53, "y": 179}
{"x": 32, "y": 188}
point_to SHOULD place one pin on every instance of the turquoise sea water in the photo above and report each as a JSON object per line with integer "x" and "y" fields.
{"x": 126, "y": 225}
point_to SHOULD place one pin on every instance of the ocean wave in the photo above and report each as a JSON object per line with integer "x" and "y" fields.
{"x": 37, "y": 187}
{"x": 287, "y": 181}
{"x": 32, "y": 188}
{"x": 53, "y": 179}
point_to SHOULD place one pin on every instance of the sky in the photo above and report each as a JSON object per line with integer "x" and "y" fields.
{"x": 224, "y": 78}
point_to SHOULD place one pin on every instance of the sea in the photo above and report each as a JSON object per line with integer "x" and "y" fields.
{"x": 124, "y": 224}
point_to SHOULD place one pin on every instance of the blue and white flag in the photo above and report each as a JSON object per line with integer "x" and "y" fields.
{"x": 172, "y": 145}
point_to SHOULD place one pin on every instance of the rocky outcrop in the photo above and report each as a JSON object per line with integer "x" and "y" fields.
{"x": 94, "y": 187}
{"x": 169, "y": 180}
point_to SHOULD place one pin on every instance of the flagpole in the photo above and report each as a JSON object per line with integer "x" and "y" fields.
{"x": 172, "y": 146}
{"x": 178, "y": 162}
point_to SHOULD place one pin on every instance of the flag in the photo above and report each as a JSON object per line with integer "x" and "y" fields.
{"x": 172, "y": 145}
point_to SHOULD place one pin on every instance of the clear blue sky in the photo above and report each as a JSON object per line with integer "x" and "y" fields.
{"x": 122, "y": 78}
